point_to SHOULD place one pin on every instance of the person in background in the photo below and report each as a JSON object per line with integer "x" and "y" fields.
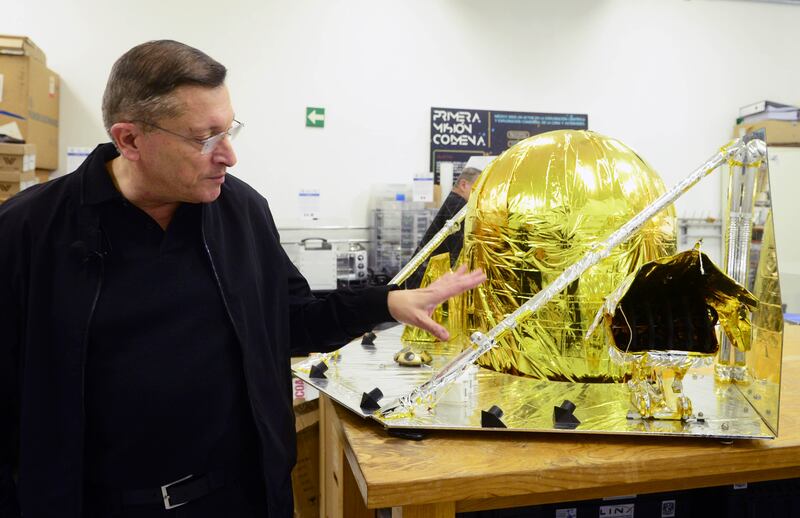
{"x": 457, "y": 198}
{"x": 149, "y": 312}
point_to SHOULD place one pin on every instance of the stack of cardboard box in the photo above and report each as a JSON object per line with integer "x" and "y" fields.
{"x": 17, "y": 168}
{"x": 29, "y": 104}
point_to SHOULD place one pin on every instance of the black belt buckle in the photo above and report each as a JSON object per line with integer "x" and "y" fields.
{"x": 167, "y": 501}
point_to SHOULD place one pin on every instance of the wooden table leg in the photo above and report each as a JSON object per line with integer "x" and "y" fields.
{"x": 440, "y": 510}
{"x": 331, "y": 460}
{"x": 352, "y": 499}
{"x": 340, "y": 496}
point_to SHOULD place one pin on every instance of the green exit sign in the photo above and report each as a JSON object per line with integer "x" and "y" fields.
{"x": 315, "y": 117}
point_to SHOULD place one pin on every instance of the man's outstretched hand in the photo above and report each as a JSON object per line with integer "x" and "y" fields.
{"x": 415, "y": 307}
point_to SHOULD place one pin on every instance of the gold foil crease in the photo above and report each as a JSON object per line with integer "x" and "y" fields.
{"x": 765, "y": 356}
{"x": 536, "y": 210}
{"x": 764, "y": 359}
{"x": 437, "y": 266}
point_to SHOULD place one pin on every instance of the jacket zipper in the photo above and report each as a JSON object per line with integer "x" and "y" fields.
{"x": 84, "y": 349}
{"x": 238, "y": 339}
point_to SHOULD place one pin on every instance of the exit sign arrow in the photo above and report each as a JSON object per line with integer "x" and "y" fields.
{"x": 315, "y": 117}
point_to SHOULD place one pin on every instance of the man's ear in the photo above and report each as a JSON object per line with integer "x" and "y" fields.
{"x": 126, "y": 138}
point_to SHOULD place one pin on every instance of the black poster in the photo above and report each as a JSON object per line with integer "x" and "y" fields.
{"x": 457, "y": 133}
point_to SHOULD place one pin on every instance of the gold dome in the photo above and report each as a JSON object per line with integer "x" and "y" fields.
{"x": 536, "y": 210}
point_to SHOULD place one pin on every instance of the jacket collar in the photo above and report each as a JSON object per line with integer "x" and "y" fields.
{"x": 97, "y": 184}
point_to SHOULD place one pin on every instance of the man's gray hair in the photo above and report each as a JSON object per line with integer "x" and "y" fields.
{"x": 470, "y": 174}
{"x": 142, "y": 81}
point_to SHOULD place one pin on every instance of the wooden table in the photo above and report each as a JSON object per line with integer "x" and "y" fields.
{"x": 362, "y": 468}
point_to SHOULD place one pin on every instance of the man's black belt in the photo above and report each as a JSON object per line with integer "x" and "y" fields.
{"x": 173, "y": 494}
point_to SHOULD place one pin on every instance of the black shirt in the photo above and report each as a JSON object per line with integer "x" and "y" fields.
{"x": 165, "y": 393}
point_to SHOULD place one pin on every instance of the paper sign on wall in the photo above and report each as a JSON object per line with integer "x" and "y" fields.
{"x": 308, "y": 203}
{"x": 423, "y": 187}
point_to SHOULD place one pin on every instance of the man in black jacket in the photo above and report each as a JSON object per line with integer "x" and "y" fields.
{"x": 148, "y": 313}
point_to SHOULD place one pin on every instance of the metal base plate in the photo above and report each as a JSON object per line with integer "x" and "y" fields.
{"x": 527, "y": 404}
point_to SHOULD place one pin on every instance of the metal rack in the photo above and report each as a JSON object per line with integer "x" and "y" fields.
{"x": 397, "y": 229}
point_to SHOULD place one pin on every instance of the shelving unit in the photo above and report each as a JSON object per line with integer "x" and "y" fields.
{"x": 397, "y": 229}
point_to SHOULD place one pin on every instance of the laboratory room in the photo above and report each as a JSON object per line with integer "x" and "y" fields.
{"x": 418, "y": 259}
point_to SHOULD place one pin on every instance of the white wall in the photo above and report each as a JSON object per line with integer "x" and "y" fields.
{"x": 664, "y": 76}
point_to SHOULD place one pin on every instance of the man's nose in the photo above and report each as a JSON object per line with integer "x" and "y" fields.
{"x": 224, "y": 152}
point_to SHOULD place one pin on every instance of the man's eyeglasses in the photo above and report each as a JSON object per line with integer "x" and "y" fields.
{"x": 208, "y": 144}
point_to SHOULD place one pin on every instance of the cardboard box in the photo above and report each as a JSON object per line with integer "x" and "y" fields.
{"x": 43, "y": 175}
{"x": 12, "y": 183}
{"x": 17, "y": 158}
{"x": 21, "y": 46}
{"x": 785, "y": 133}
{"x": 302, "y": 391}
{"x": 29, "y": 97}
{"x": 17, "y": 168}
{"x": 437, "y": 197}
